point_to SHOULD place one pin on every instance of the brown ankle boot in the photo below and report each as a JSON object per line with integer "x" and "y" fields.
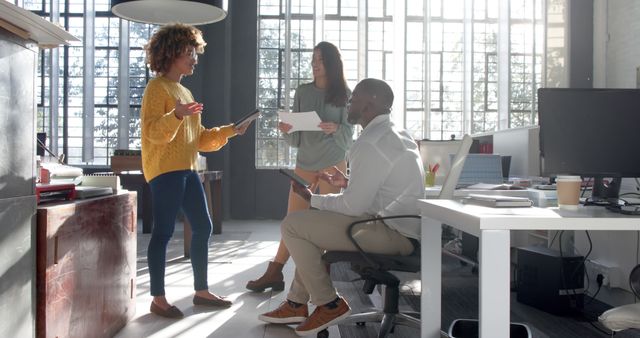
{"x": 272, "y": 278}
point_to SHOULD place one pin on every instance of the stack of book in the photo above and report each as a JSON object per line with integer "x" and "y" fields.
{"x": 498, "y": 201}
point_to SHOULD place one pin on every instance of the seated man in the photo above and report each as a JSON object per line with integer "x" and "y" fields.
{"x": 386, "y": 179}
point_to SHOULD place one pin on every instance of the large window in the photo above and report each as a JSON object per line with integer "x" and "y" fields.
{"x": 100, "y": 81}
{"x": 456, "y": 66}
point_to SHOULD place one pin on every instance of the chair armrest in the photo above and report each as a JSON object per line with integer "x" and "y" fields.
{"x": 621, "y": 317}
{"x": 355, "y": 242}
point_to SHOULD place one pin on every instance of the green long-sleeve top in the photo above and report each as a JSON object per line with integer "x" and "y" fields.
{"x": 317, "y": 150}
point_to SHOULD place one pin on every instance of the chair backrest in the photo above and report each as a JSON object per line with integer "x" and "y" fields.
{"x": 457, "y": 164}
{"x": 634, "y": 280}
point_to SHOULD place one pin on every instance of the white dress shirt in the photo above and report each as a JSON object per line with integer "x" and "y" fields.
{"x": 387, "y": 178}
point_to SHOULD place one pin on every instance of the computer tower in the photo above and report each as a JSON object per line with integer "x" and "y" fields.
{"x": 470, "y": 246}
{"x": 549, "y": 281}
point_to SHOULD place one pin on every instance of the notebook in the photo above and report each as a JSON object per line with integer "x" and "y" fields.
{"x": 498, "y": 201}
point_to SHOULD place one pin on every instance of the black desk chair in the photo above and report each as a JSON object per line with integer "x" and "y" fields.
{"x": 375, "y": 269}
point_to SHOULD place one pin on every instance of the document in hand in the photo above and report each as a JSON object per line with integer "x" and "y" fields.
{"x": 301, "y": 120}
{"x": 498, "y": 201}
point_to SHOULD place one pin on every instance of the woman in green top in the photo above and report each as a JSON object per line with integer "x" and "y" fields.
{"x": 318, "y": 151}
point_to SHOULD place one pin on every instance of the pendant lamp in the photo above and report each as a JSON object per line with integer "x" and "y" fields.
{"x": 192, "y": 12}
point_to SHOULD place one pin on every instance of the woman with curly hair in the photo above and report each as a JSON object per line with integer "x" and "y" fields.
{"x": 172, "y": 136}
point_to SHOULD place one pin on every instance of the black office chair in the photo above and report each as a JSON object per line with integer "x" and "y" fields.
{"x": 375, "y": 269}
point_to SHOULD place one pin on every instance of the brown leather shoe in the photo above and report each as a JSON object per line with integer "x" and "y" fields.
{"x": 197, "y": 300}
{"x": 286, "y": 314}
{"x": 323, "y": 317}
{"x": 170, "y": 312}
{"x": 272, "y": 278}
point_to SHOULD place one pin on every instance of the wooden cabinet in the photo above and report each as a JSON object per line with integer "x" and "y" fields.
{"x": 86, "y": 266}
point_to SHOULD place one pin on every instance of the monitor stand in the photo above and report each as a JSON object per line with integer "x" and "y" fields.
{"x": 605, "y": 194}
{"x": 604, "y": 191}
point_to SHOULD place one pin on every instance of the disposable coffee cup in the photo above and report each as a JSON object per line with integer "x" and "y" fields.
{"x": 568, "y": 189}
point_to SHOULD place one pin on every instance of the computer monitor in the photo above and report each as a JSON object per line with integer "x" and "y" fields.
{"x": 591, "y": 133}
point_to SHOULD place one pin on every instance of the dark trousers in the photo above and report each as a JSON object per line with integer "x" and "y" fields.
{"x": 171, "y": 192}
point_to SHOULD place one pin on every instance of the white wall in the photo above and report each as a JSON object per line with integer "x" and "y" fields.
{"x": 617, "y": 33}
{"x": 616, "y": 57}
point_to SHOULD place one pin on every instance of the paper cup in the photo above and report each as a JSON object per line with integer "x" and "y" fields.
{"x": 568, "y": 189}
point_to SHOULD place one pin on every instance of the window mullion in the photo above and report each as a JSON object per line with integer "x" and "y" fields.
{"x": 54, "y": 83}
{"x": 535, "y": 70}
{"x": 88, "y": 110}
{"x": 468, "y": 67}
{"x": 318, "y": 22}
{"x": 504, "y": 58}
{"x": 398, "y": 116}
{"x": 287, "y": 55}
{"x": 426, "y": 21}
{"x": 123, "y": 86}
{"x": 363, "y": 37}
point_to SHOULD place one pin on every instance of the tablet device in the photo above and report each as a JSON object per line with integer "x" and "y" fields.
{"x": 248, "y": 118}
{"x": 294, "y": 177}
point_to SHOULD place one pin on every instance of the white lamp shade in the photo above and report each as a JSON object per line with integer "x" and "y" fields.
{"x": 192, "y": 12}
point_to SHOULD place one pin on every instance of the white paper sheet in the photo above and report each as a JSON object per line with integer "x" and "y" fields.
{"x": 301, "y": 121}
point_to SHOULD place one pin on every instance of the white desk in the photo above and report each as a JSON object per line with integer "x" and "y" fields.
{"x": 493, "y": 226}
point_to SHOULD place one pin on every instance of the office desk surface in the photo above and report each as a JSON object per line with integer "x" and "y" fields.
{"x": 479, "y": 218}
{"x": 493, "y": 226}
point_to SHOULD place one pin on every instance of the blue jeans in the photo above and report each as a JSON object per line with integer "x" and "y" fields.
{"x": 171, "y": 192}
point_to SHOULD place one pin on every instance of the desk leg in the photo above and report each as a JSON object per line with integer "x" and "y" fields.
{"x": 495, "y": 280}
{"x": 187, "y": 237}
{"x": 211, "y": 205}
{"x": 217, "y": 205}
{"x": 431, "y": 270}
{"x": 147, "y": 214}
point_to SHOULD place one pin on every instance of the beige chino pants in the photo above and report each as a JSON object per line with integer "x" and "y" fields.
{"x": 308, "y": 233}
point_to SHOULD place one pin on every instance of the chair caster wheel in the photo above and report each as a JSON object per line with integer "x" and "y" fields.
{"x": 360, "y": 323}
{"x": 323, "y": 334}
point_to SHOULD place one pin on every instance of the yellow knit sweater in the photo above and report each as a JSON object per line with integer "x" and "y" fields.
{"x": 168, "y": 143}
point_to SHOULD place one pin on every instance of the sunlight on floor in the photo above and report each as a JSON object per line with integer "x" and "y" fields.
{"x": 236, "y": 256}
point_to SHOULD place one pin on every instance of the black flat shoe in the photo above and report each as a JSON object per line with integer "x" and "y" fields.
{"x": 170, "y": 312}
{"x": 197, "y": 300}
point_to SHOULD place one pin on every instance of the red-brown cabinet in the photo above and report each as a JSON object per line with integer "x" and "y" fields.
{"x": 86, "y": 266}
